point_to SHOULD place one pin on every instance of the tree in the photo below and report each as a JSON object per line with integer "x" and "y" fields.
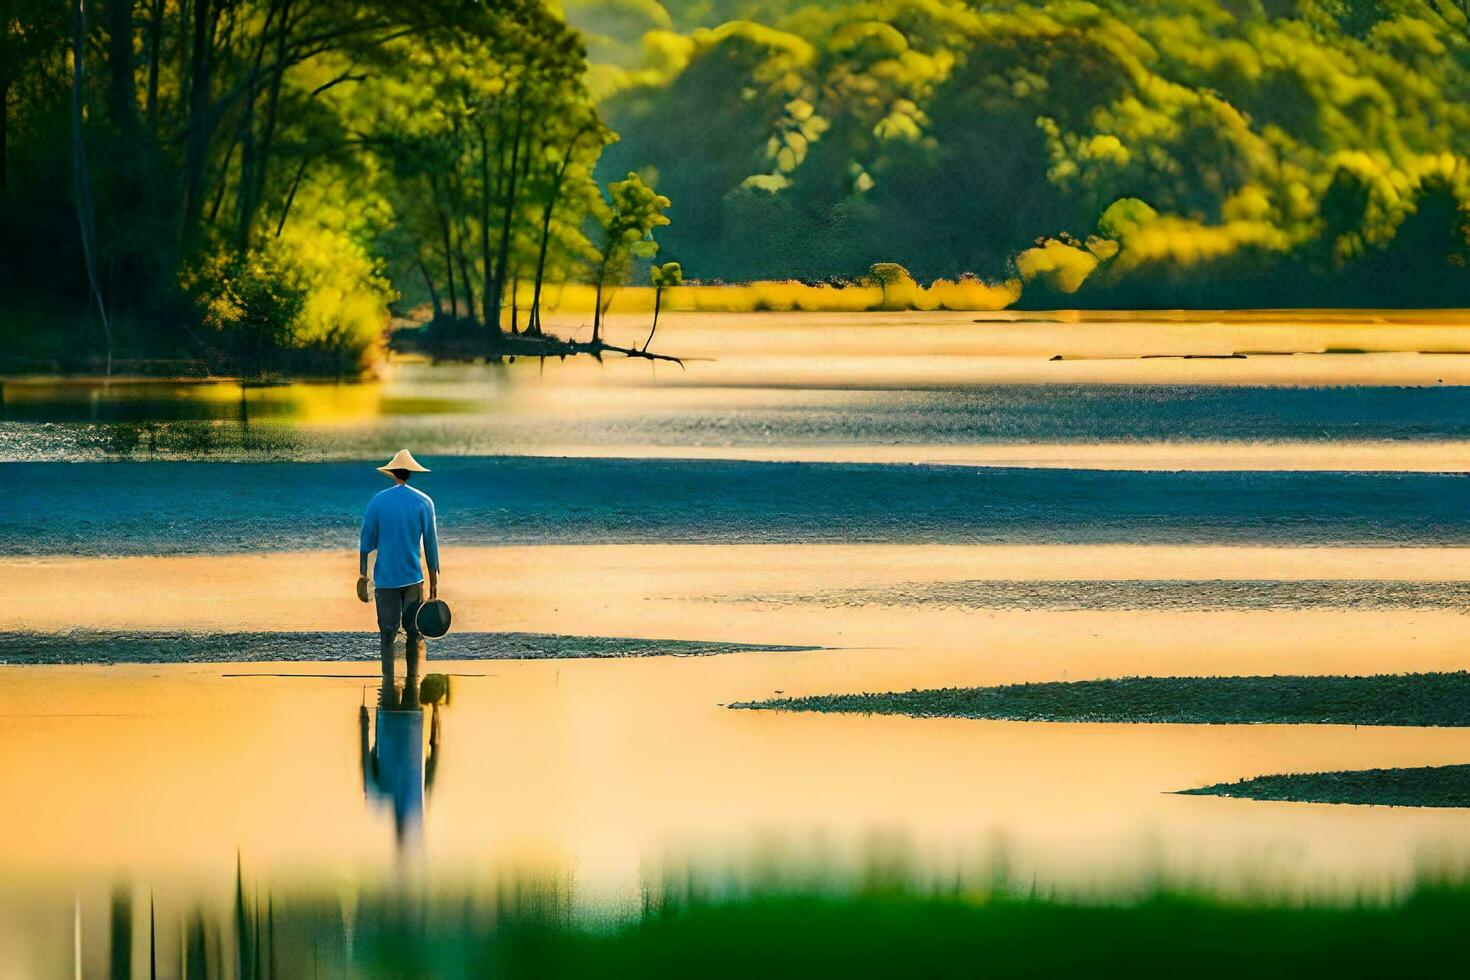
{"x": 631, "y": 212}
{"x": 663, "y": 277}
{"x": 27, "y": 31}
{"x": 81, "y": 173}
{"x": 589, "y": 133}
{"x": 486, "y": 140}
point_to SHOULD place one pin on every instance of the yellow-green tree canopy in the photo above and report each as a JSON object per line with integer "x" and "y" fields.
{"x": 1270, "y": 143}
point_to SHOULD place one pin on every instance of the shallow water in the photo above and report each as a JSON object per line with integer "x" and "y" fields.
{"x": 184, "y": 508}
{"x": 917, "y": 387}
{"x": 1098, "y": 516}
{"x": 579, "y": 765}
{"x": 481, "y": 413}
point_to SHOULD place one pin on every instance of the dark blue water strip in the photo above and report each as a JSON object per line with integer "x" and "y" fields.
{"x": 184, "y": 508}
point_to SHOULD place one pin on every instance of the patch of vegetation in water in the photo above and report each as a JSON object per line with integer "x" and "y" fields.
{"x": 1429, "y": 699}
{"x": 1437, "y": 786}
{"x": 163, "y": 647}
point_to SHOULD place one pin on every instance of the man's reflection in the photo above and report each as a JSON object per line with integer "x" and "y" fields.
{"x": 395, "y": 772}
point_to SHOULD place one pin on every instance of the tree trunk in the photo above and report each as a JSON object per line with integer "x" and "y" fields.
{"x": 181, "y": 50}
{"x": 219, "y": 194}
{"x": 247, "y": 169}
{"x": 534, "y": 324}
{"x": 465, "y": 282}
{"x": 155, "y": 39}
{"x": 197, "y": 127}
{"x": 503, "y": 258}
{"x": 121, "y": 89}
{"x": 436, "y": 198}
{"x": 245, "y": 186}
{"x": 460, "y": 234}
{"x": 492, "y": 314}
{"x": 291, "y": 196}
{"x": 658, "y": 295}
{"x": 81, "y": 183}
{"x": 597, "y": 303}
{"x": 4, "y": 128}
{"x": 256, "y": 189}
{"x": 448, "y": 262}
{"x": 433, "y": 293}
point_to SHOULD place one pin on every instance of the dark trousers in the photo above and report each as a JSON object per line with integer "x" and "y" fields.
{"x": 391, "y": 603}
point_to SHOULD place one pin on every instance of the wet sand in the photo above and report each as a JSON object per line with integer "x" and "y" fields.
{"x": 613, "y": 767}
{"x": 702, "y": 593}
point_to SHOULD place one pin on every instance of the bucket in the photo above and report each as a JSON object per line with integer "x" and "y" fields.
{"x": 429, "y": 618}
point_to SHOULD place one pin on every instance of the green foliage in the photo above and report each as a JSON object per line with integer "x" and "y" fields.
{"x": 1181, "y": 153}
{"x": 484, "y": 157}
{"x": 362, "y": 153}
{"x": 317, "y": 160}
{"x": 634, "y": 210}
{"x": 666, "y": 275}
{"x": 627, "y": 218}
{"x": 252, "y": 303}
{"x": 308, "y": 291}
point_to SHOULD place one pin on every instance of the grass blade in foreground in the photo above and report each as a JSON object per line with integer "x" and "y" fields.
{"x": 1444, "y": 786}
{"x": 1418, "y": 700}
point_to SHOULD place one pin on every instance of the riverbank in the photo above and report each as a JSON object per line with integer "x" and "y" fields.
{"x": 690, "y": 592}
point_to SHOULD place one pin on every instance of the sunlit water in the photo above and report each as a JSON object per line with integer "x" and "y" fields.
{"x": 926, "y": 387}
{"x": 1097, "y": 516}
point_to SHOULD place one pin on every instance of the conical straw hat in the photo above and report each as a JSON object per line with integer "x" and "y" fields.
{"x": 403, "y": 461}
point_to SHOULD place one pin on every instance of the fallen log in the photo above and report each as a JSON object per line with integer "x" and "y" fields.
{"x": 491, "y": 348}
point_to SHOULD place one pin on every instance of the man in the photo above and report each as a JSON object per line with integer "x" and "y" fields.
{"x": 397, "y": 521}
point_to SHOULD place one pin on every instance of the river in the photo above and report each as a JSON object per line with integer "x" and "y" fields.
{"x": 812, "y": 504}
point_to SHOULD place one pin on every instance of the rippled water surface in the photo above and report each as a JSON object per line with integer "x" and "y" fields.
{"x": 808, "y": 386}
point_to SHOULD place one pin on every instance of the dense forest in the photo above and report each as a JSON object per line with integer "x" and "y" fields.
{"x": 255, "y": 182}
{"x": 1111, "y": 153}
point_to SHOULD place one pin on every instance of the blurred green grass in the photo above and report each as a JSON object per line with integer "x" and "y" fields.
{"x": 895, "y": 933}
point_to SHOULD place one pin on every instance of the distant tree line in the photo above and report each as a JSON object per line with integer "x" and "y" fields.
{"x": 254, "y": 183}
{"x": 1108, "y": 153}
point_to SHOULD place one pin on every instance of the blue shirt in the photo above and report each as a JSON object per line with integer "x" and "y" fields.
{"x": 396, "y": 520}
